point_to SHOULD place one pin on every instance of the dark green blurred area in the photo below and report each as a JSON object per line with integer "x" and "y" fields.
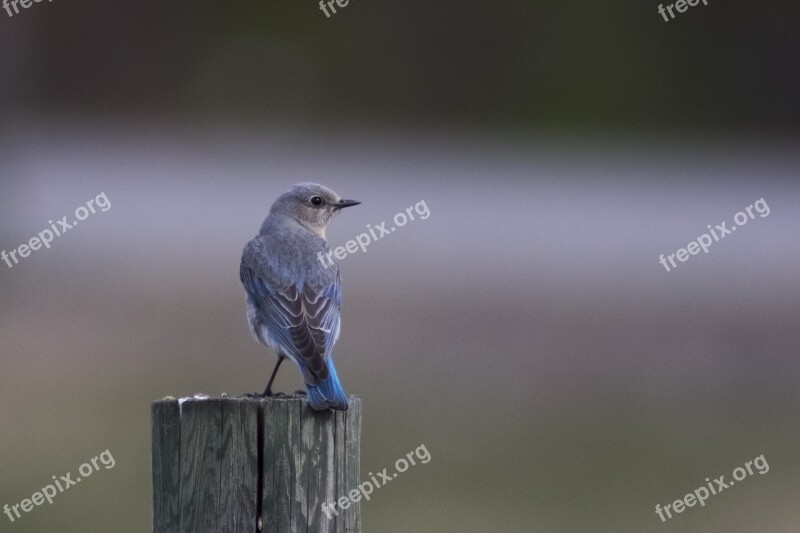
{"x": 533, "y": 66}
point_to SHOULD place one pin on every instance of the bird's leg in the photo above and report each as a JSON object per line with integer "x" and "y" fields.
{"x": 268, "y": 390}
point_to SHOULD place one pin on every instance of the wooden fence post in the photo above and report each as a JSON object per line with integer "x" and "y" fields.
{"x": 246, "y": 465}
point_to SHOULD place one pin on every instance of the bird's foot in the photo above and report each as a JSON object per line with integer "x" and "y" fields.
{"x": 264, "y": 395}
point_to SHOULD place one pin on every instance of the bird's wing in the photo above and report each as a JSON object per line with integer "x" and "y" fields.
{"x": 302, "y": 323}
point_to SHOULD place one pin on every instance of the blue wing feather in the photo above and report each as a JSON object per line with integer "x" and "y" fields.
{"x": 299, "y": 322}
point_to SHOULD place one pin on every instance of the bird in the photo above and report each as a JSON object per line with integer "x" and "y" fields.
{"x": 294, "y": 299}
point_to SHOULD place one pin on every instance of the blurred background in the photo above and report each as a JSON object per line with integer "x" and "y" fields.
{"x": 525, "y": 333}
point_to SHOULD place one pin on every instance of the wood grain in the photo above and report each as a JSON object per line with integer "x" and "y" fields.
{"x": 212, "y": 456}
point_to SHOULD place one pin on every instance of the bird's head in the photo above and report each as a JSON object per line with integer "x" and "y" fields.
{"x": 311, "y": 204}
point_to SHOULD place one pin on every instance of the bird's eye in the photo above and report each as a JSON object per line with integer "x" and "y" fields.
{"x": 316, "y": 200}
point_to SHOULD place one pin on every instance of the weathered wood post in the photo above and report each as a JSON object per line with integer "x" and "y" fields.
{"x": 245, "y": 465}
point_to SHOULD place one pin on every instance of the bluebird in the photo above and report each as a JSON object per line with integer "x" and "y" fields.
{"x": 293, "y": 300}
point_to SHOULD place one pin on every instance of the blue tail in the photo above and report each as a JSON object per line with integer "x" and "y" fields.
{"x": 328, "y": 393}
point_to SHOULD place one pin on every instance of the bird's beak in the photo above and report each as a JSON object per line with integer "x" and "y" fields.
{"x": 346, "y": 203}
